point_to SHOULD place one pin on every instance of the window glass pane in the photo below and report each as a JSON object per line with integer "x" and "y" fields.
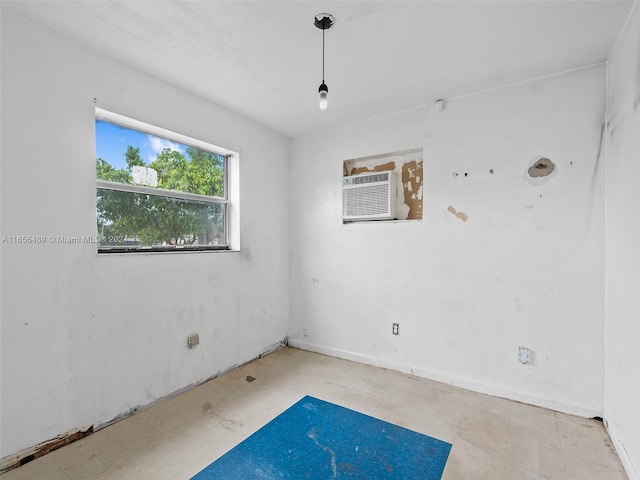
{"x": 129, "y": 156}
{"x": 127, "y": 219}
{"x": 175, "y": 195}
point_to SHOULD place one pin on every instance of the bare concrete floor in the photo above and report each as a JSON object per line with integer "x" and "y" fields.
{"x": 492, "y": 438}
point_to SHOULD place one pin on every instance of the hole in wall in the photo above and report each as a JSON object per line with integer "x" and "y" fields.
{"x": 540, "y": 171}
{"x": 27, "y": 459}
{"x": 541, "y": 168}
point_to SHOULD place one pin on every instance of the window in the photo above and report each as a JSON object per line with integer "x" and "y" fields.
{"x": 157, "y": 190}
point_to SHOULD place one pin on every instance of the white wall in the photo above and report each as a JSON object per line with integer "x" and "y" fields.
{"x": 526, "y": 268}
{"x": 622, "y": 331}
{"x": 86, "y": 338}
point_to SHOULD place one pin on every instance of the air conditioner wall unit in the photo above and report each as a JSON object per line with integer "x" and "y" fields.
{"x": 370, "y": 196}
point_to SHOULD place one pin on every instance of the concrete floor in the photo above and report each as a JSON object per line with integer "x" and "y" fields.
{"x": 492, "y": 438}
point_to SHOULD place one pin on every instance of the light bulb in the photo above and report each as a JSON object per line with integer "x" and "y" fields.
{"x": 323, "y": 90}
{"x": 323, "y": 100}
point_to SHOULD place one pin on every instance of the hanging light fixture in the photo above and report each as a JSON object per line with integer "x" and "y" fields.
{"x": 323, "y": 21}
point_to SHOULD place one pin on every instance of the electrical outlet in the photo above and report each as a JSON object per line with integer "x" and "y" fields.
{"x": 524, "y": 355}
{"x": 396, "y": 329}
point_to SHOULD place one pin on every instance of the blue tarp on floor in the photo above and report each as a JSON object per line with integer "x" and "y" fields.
{"x": 318, "y": 440}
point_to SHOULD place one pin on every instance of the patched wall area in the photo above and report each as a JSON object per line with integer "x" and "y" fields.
{"x": 408, "y": 166}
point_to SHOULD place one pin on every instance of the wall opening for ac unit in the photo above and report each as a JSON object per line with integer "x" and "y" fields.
{"x": 383, "y": 187}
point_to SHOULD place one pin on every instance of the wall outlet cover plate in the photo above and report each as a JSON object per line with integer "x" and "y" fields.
{"x": 524, "y": 355}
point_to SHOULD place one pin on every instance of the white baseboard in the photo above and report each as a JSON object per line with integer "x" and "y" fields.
{"x": 468, "y": 384}
{"x": 627, "y": 463}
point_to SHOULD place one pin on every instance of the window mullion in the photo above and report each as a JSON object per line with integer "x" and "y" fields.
{"x": 159, "y": 192}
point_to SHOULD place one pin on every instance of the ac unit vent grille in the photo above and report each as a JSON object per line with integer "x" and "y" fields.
{"x": 381, "y": 177}
{"x": 366, "y": 201}
{"x": 370, "y": 196}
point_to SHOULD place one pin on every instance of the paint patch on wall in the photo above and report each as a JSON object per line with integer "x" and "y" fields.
{"x": 540, "y": 170}
{"x": 412, "y": 175}
{"x": 385, "y": 167}
{"x": 461, "y": 215}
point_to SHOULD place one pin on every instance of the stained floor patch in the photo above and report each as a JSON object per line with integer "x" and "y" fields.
{"x": 318, "y": 440}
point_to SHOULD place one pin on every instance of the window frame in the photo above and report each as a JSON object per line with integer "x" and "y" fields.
{"x": 230, "y": 164}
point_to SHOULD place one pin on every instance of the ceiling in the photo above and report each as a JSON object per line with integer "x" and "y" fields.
{"x": 264, "y": 58}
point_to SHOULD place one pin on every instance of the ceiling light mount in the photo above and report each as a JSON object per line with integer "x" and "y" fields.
{"x": 323, "y": 21}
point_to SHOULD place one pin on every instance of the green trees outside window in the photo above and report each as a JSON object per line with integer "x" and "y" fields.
{"x": 184, "y": 208}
